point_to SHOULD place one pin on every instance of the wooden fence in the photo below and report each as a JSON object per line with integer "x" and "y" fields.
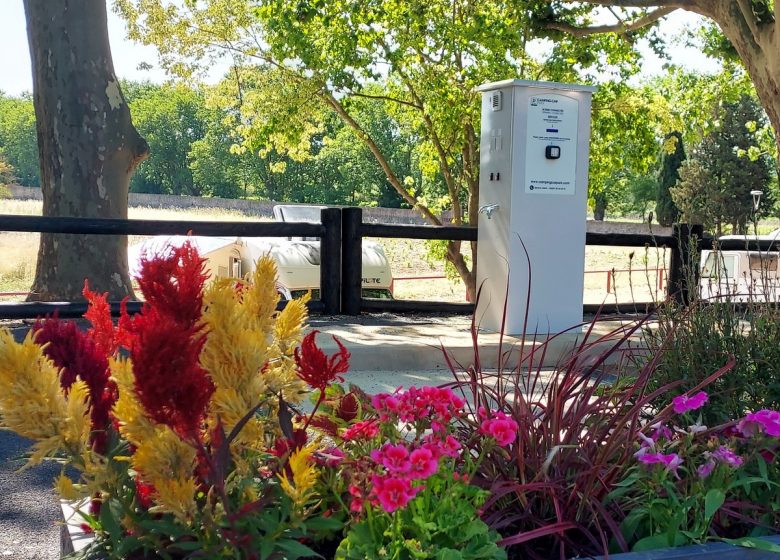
{"x": 341, "y": 232}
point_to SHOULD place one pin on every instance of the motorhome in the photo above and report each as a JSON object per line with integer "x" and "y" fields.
{"x": 741, "y": 275}
{"x": 297, "y": 259}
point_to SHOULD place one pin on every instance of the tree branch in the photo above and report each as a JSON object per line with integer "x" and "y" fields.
{"x": 379, "y": 156}
{"x": 684, "y": 4}
{"x": 622, "y": 27}
{"x": 750, "y": 19}
{"x": 386, "y": 98}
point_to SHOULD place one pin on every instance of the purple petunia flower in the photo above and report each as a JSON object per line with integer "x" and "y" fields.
{"x": 704, "y": 470}
{"x": 670, "y": 461}
{"x": 684, "y": 403}
{"x": 726, "y": 456}
{"x": 767, "y": 421}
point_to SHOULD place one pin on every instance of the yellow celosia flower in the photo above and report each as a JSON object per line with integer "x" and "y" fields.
{"x": 176, "y": 496}
{"x": 32, "y": 403}
{"x": 248, "y": 352}
{"x": 133, "y": 423}
{"x": 288, "y": 330}
{"x": 66, "y": 489}
{"x": 304, "y": 476}
{"x": 161, "y": 457}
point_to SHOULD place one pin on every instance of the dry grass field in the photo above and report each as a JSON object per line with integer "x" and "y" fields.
{"x": 635, "y": 278}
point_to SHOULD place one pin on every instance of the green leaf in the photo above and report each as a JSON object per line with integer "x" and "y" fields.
{"x": 712, "y": 502}
{"x": 651, "y": 543}
{"x": 295, "y": 550}
{"x": 753, "y": 542}
{"x": 323, "y": 524}
{"x": 449, "y": 554}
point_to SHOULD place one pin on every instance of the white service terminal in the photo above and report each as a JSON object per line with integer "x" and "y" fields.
{"x": 534, "y": 152}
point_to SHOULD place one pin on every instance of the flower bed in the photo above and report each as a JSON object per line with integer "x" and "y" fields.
{"x": 184, "y": 425}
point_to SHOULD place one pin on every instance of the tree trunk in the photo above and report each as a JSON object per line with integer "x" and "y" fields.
{"x": 88, "y": 147}
{"x": 599, "y": 207}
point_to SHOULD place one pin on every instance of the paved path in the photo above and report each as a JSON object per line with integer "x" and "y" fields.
{"x": 29, "y": 512}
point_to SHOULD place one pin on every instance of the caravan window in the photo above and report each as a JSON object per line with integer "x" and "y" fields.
{"x": 718, "y": 265}
{"x": 764, "y": 263}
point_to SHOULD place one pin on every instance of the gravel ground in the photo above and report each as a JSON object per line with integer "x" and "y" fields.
{"x": 29, "y": 511}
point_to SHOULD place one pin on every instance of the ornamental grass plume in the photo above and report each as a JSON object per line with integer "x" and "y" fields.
{"x": 249, "y": 352}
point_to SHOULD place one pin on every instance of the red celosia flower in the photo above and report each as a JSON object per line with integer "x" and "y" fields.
{"x": 79, "y": 357}
{"x": 166, "y": 338}
{"x": 170, "y": 383}
{"x": 99, "y": 314}
{"x": 144, "y": 493}
{"x": 173, "y": 283}
{"x": 314, "y": 366}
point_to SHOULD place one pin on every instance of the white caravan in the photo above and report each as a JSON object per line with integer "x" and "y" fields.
{"x": 741, "y": 275}
{"x": 297, "y": 259}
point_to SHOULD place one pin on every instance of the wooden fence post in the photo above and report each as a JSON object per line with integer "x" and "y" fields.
{"x": 351, "y": 260}
{"x": 684, "y": 271}
{"x": 330, "y": 261}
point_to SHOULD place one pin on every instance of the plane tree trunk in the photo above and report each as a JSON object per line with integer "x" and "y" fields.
{"x": 88, "y": 147}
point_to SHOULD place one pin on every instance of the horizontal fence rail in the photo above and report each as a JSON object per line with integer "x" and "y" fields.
{"x": 341, "y": 232}
{"x": 329, "y": 232}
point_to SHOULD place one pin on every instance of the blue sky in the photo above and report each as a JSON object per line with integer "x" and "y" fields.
{"x": 15, "y": 74}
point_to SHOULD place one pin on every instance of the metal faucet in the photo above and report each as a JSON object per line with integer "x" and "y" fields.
{"x": 488, "y": 209}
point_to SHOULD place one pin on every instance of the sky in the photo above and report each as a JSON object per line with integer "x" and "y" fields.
{"x": 16, "y": 76}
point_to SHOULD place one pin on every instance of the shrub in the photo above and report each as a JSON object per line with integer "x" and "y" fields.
{"x": 575, "y": 440}
{"x": 690, "y": 343}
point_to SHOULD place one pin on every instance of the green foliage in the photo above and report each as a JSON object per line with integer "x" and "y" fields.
{"x": 6, "y": 175}
{"x": 441, "y": 523}
{"x": 18, "y": 138}
{"x": 691, "y": 343}
{"x": 715, "y": 188}
{"x": 623, "y": 142}
{"x": 171, "y": 119}
{"x": 709, "y": 483}
{"x": 419, "y": 62}
{"x": 673, "y": 157}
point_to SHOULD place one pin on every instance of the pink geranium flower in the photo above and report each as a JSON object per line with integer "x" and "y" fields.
{"x": 684, "y": 403}
{"x": 767, "y": 421}
{"x": 395, "y": 458}
{"x": 423, "y": 463}
{"x": 503, "y": 431}
{"x": 670, "y": 461}
{"x": 499, "y": 426}
{"x": 361, "y": 430}
{"x": 393, "y": 493}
